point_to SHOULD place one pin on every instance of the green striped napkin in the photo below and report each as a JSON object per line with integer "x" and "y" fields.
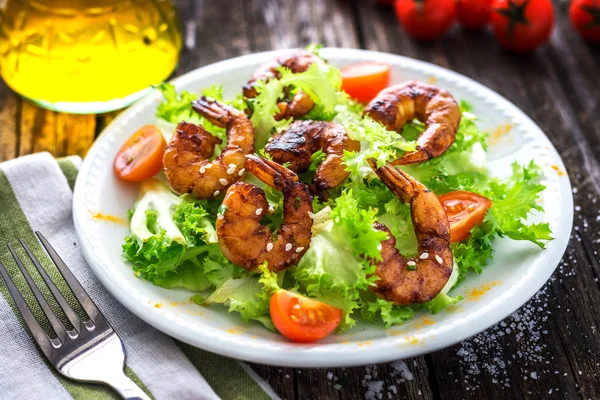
{"x": 36, "y": 194}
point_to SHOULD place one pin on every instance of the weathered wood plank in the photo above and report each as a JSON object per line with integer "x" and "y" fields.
{"x": 9, "y": 112}
{"x": 60, "y": 134}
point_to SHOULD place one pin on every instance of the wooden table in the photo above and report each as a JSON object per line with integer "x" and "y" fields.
{"x": 548, "y": 349}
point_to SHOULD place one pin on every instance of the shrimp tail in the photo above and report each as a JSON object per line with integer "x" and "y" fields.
{"x": 214, "y": 111}
{"x": 271, "y": 173}
{"x": 398, "y": 181}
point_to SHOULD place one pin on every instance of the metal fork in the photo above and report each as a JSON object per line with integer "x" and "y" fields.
{"x": 92, "y": 351}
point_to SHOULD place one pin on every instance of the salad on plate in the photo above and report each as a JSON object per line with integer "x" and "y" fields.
{"x": 320, "y": 196}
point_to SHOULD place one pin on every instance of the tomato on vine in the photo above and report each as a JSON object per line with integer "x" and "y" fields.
{"x": 474, "y": 14}
{"x": 522, "y": 25}
{"x": 426, "y": 19}
{"x": 585, "y": 18}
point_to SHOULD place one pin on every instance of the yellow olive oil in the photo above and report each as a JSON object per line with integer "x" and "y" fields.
{"x": 86, "y": 51}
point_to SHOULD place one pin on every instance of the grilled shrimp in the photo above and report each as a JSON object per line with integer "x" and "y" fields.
{"x": 399, "y": 104}
{"x": 248, "y": 243}
{"x": 303, "y": 138}
{"x": 297, "y": 62}
{"x": 417, "y": 280}
{"x": 187, "y": 163}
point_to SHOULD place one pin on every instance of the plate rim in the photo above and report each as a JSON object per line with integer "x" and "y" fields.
{"x": 316, "y": 355}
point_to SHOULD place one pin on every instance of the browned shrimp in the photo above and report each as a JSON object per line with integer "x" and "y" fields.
{"x": 303, "y": 138}
{"x": 248, "y": 243}
{"x": 187, "y": 163}
{"x": 416, "y": 280}
{"x": 297, "y": 62}
{"x": 399, "y": 104}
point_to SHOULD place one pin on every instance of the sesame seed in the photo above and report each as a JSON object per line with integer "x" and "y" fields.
{"x": 438, "y": 259}
{"x": 258, "y": 211}
{"x": 220, "y": 216}
{"x": 208, "y": 166}
{"x": 411, "y": 263}
{"x": 311, "y": 215}
{"x": 288, "y": 247}
{"x": 202, "y": 170}
{"x": 299, "y": 249}
{"x": 230, "y": 171}
{"x": 232, "y": 166}
{"x": 424, "y": 256}
{"x": 242, "y": 171}
{"x": 269, "y": 246}
{"x": 216, "y": 193}
{"x": 223, "y": 181}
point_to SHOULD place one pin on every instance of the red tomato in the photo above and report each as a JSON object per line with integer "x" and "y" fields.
{"x": 302, "y": 319}
{"x": 426, "y": 19}
{"x": 522, "y": 25}
{"x": 585, "y": 17}
{"x": 141, "y": 155}
{"x": 363, "y": 81}
{"x": 474, "y": 14}
{"x": 464, "y": 211}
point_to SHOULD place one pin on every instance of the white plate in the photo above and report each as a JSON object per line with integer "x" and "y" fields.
{"x": 516, "y": 273}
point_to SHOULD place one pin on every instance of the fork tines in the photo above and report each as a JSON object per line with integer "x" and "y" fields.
{"x": 96, "y": 325}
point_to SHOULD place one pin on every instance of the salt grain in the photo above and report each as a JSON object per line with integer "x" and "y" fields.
{"x": 533, "y": 375}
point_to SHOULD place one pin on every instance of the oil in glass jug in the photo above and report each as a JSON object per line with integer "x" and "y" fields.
{"x": 87, "y": 56}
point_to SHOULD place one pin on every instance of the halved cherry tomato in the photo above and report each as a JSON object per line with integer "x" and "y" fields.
{"x": 585, "y": 18}
{"x": 302, "y": 319}
{"x": 141, "y": 155}
{"x": 363, "y": 81}
{"x": 464, "y": 211}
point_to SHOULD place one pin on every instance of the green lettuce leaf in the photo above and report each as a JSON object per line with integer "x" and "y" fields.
{"x": 321, "y": 82}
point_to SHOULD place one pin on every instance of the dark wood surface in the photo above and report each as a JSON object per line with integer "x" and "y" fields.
{"x": 548, "y": 349}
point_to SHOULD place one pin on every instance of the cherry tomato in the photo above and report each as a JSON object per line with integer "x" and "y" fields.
{"x": 302, "y": 319}
{"x": 426, "y": 19}
{"x": 585, "y": 17}
{"x": 141, "y": 155}
{"x": 363, "y": 81}
{"x": 464, "y": 211}
{"x": 474, "y": 14}
{"x": 522, "y": 25}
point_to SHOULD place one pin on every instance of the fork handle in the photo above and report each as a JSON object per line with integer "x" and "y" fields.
{"x": 127, "y": 388}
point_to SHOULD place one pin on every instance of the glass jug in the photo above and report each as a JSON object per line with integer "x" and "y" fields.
{"x": 87, "y": 56}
